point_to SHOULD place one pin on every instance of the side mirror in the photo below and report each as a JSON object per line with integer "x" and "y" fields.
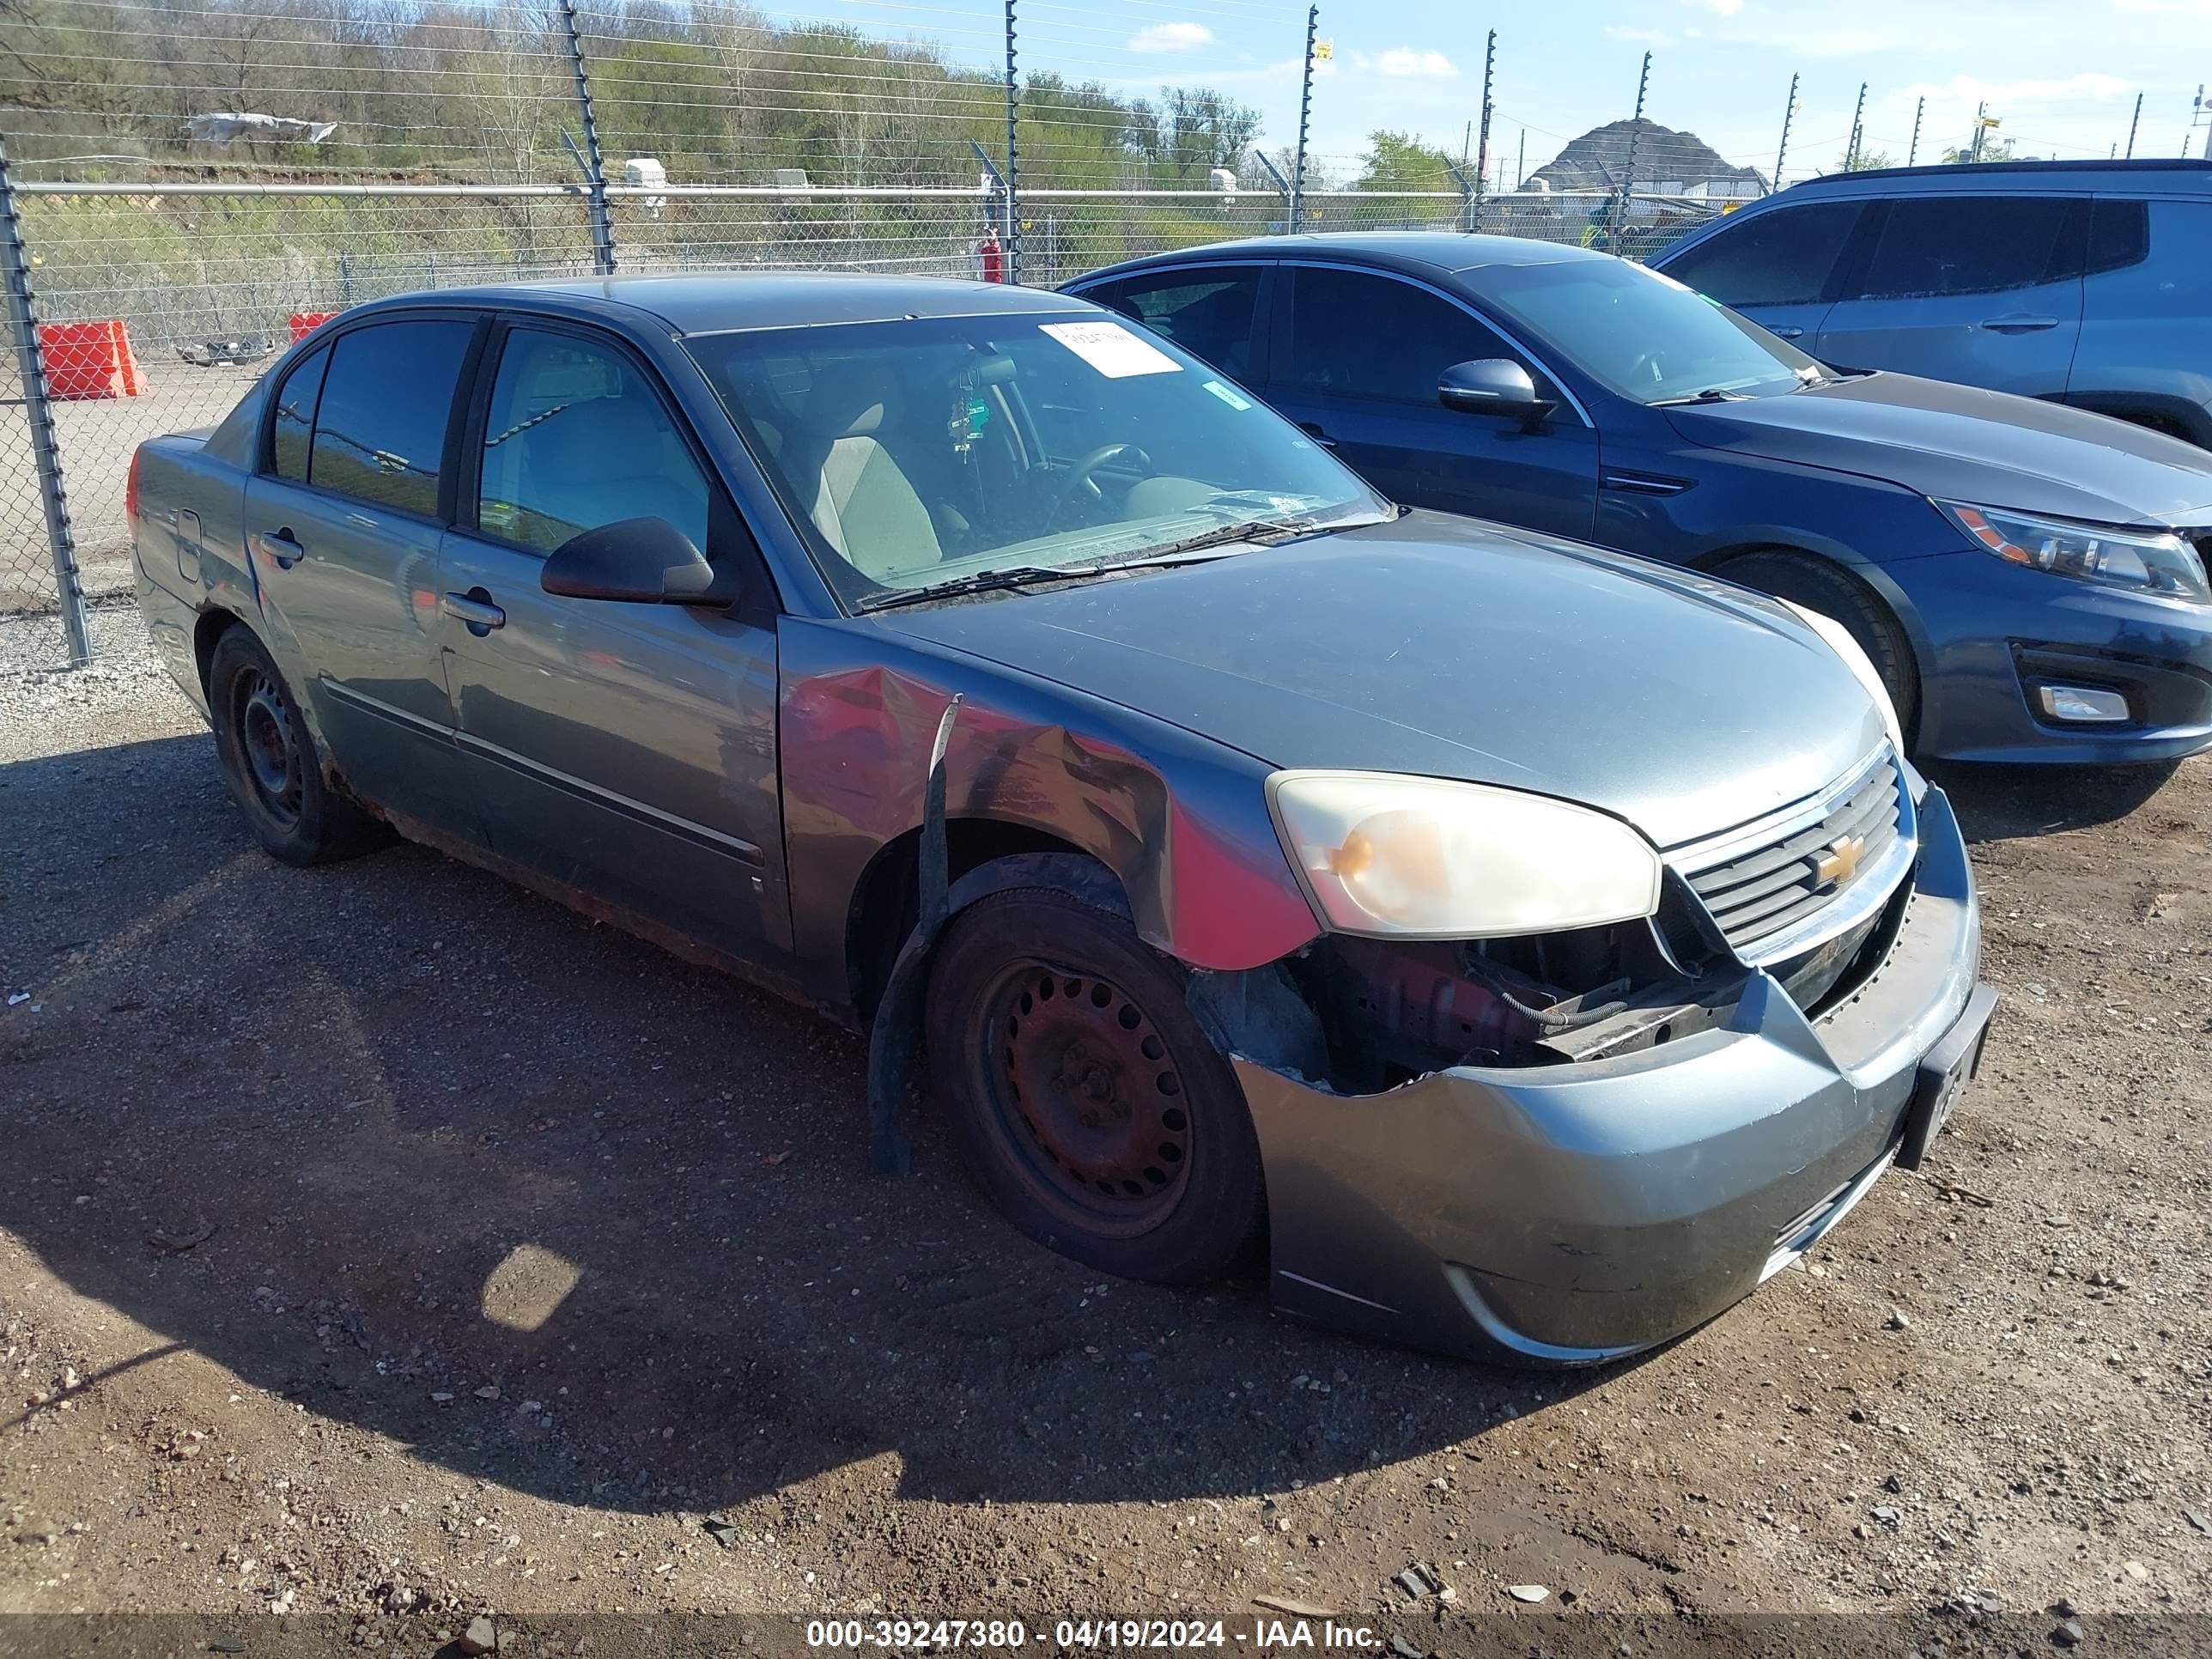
{"x": 645, "y": 561}
{"x": 1493, "y": 385}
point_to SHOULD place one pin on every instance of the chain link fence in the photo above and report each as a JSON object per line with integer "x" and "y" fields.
{"x": 199, "y": 182}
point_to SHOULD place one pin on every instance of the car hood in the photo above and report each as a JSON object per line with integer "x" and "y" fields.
{"x": 1450, "y": 648}
{"x": 1962, "y": 443}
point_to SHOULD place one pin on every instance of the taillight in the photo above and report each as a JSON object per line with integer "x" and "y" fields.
{"x": 130, "y": 494}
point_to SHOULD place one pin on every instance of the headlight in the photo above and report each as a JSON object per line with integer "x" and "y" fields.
{"x": 1838, "y": 638}
{"x": 1423, "y": 858}
{"x": 2147, "y": 560}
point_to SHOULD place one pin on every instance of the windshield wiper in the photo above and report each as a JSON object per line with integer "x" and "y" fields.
{"x": 981, "y": 581}
{"x": 1711, "y": 394}
{"x": 1264, "y": 532}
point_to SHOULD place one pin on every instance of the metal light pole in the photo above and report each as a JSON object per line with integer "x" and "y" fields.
{"x": 2134, "y": 122}
{"x": 1919, "y": 110}
{"x": 1859, "y": 126}
{"x": 1789, "y": 111}
{"x": 1305, "y": 115}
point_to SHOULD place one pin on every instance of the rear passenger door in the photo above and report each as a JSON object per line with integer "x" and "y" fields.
{"x": 1776, "y": 266}
{"x": 1356, "y": 361}
{"x": 1985, "y": 290}
{"x": 625, "y": 749}
{"x": 342, "y": 525}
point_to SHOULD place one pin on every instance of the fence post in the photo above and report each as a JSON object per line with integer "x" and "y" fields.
{"x": 1789, "y": 111}
{"x": 1282, "y": 184}
{"x": 1627, "y": 203}
{"x": 1482, "y": 151}
{"x": 595, "y": 167}
{"x": 2133, "y": 121}
{"x": 23, "y": 316}
{"x": 1919, "y": 110}
{"x": 1298, "y": 210}
{"x": 1859, "y": 128}
{"x": 1013, "y": 162}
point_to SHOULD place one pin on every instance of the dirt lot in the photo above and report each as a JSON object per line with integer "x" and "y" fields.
{"x": 388, "y": 1246}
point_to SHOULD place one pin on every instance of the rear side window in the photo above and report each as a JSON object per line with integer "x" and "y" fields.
{"x": 295, "y": 416}
{"x": 1780, "y": 258}
{"x": 2120, "y": 235}
{"x": 1938, "y": 245}
{"x": 1208, "y": 312}
{"x": 381, "y": 427}
{"x": 1357, "y": 335}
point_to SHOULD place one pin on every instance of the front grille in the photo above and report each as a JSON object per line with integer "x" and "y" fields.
{"x": 1757, "y": 892}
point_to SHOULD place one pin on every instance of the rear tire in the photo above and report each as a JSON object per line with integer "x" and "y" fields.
{"x": 1098, "y": 1115}
{"x": 270, "y": 762}
{"x": 1814, "y": 583}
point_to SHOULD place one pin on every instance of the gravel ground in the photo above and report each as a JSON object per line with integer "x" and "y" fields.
{"x": 383, "y": 1246}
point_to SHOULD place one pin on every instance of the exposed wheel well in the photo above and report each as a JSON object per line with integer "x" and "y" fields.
{"x": 886, "y": 898}
{"x": 211, "y": 627}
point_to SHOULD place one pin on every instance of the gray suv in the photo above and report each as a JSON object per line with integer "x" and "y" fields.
{"x": 2082, "y": 282}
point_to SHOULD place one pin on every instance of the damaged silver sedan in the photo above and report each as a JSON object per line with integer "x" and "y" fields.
{"x": 1528, "y": 948}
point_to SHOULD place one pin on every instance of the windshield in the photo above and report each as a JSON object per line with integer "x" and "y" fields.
{"x": 918, "y": 453}
{"x": 1643, "y": 335}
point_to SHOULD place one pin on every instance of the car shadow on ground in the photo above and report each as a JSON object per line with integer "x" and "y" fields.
{"x": 2009, "y": 803}
{"x": 393, "y": 1130}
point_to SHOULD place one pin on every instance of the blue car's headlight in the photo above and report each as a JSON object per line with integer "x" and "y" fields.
{"x": 2147, "y": 561}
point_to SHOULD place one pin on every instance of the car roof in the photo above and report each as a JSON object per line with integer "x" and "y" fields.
{"x": 2154, "y": 172}
{"x": 723, "y": 301}
{"x": 1438, "y": 250}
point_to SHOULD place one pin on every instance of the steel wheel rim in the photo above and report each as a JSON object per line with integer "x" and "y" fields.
{"x": 270, "y": 745}
{"x": 1084, "y": 1096}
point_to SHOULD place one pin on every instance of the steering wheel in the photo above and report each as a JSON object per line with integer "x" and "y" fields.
{"x": 1080, "y": 476}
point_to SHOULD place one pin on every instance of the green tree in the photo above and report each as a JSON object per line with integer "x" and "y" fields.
{"x": 1398, "y": 161}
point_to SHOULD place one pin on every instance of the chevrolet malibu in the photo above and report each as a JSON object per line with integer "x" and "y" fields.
{"x": 1530, "y": 949}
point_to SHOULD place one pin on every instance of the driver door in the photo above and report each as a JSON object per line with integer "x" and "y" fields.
{"x": 625, "y": 749}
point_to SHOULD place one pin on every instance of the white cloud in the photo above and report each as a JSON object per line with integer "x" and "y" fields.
{"x": 2088, "y": 86}
{"x": 1725, "y": 7}
{"x": 1405, "y": 63}
{"x": 1171, "y": 37}
{"x": 1658, "y": 38}
{"x": 2166, "y": 8}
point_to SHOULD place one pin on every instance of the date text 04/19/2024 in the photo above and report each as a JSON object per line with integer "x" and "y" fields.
{"x": 1090, "y": 1635}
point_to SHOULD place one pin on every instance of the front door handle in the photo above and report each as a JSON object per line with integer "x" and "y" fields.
{"x": 476, "y": 609}
{"x": 1786, "y": 333}
{"x": 2018, "y": 322}
{"x": 279, "y": 544}
{"x": 1312, "y": 429}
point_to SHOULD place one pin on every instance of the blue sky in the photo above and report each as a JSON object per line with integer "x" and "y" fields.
{"x": 2062, "y": 74}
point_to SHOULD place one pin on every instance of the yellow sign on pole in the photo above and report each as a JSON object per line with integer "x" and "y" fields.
{"x": 1323, "y": 51}
{"x": 1992, "y": 120}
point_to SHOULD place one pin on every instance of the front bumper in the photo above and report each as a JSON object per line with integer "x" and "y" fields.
{"x": 1572, "y": 1214}
{"x": 1996, "y": 633}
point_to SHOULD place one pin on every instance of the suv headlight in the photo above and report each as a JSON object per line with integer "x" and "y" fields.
{"x": 1424, "y": 858}
{"x": 2147, "y": 560}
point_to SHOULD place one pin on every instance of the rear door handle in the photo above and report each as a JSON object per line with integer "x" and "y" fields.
{"x": 482, "y": 615}
{"x": 279, "y": 544}
{"x": 1786, "y": 333}
{"x": 1312, "y": 429}
{"x": 2018, "y": 322}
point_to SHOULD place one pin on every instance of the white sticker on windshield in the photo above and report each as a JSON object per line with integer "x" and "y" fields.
{"x": 1111, "y": 349}
{"x": 1226, "y": 396}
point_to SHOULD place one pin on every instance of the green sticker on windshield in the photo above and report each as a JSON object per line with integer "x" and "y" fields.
{"x": 1233, "y": 399}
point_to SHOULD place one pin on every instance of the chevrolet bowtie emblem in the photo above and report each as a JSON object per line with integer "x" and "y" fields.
{"x": 1838, "y": 859}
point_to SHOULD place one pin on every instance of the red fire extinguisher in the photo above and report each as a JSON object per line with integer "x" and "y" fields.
{"x": 993, "y": 256}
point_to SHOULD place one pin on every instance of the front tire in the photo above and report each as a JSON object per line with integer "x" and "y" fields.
{"x": 1098, "y": 1115}
{"x": 270, "y": 762}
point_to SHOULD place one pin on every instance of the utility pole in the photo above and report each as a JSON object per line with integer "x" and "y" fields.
{"x": 1489, "y": 64}
{"x": 2195, "y": 118}
{"x": 1788, "y": 112}
{"x": 1858, "y": 127}
{"x": 1919, "y": 110}
{"x": 1981, "y": 125}
{"x": 2134, "y": 122}
{"x": 1520, "y": 166}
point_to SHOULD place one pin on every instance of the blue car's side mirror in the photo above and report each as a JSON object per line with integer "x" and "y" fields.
{"x": 1493, "y": 385}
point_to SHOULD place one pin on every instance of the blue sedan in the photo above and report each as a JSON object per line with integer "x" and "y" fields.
{"x": 2028, "y": 579}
